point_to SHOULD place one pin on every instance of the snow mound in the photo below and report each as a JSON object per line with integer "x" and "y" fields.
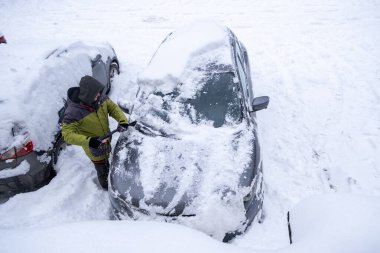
{"x": 336, "y": 223}
{"x": 113, "y": 236}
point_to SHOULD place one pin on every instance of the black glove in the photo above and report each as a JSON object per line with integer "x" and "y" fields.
{"x": 133, "y": 123}
{"x": 124, "y": 127}
{"x": 94, "y": 142}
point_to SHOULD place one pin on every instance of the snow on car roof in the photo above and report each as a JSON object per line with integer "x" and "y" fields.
{"x": 194, "y": 45}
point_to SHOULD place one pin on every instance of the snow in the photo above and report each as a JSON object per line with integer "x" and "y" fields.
{"x": 209, "y": 159}
{"x": 201, "y": 42}
{"x": 22, "y": 169}
{"x": 328, "y": 223}
{"x": 336, "y": 223}
{"x": 7, "y": 140}
{"x": 70, "y": 197}
{"x": 317, "y": 60}
{"x": 113, "y": 236}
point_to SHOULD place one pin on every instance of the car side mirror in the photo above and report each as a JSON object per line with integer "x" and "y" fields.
{"x": 96, "y": 60}
{"x": 260, "y": 103}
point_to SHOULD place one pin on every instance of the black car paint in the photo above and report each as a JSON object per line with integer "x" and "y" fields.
{"x": 40, "y": 174}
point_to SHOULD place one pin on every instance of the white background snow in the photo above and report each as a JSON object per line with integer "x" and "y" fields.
{"x": 319, "y": 61}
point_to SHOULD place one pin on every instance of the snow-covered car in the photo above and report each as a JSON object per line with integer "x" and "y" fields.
{"x": 193, "y": 158}
{"x": 2, "y": 38}
{"x": 32, "y": 109}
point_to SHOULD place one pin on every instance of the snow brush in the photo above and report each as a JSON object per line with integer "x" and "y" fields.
{"x": 109, "y": 134}
{"x": 105, "y": 148}
{"x": 118, "y": 129}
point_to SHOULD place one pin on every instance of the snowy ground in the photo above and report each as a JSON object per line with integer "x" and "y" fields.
{"x": 319, "y": 61}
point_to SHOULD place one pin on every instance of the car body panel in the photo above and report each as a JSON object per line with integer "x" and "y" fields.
{"x": 38, "y": 174}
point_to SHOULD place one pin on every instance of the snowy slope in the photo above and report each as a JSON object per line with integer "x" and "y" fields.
{"x": 317, "y": 60}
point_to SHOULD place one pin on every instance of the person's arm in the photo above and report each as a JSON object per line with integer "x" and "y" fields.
{"x": 71, "y": 136}
{"x": 116, "y": 113}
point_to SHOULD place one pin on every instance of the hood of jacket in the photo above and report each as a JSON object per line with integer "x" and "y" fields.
{"x": 75, "y": 109}
{"x": 73, "y": 95}
{"x": 89, "y": 87}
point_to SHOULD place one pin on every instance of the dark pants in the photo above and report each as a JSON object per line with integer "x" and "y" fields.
{"x": 102, "y": 169}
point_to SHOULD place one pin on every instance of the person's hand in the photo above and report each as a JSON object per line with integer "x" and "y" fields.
{"x": 124, "y": 127}
{"x": 133, "y": 123}
{"x": 94, "y": 142}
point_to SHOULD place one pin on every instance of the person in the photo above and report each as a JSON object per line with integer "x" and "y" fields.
{"x": 86, "y": 119}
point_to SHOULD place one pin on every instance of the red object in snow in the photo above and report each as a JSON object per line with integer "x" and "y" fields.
{"x": 15, "y": 152}
{"x": 2, "y": 39}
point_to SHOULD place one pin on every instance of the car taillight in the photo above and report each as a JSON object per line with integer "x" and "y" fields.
{"x": 15, "y": 152}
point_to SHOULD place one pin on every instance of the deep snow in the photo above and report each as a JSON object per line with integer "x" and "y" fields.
{"x": 317, "y": 60}
{"x": 336, "y": 223}
{"x": 328, "y": 223}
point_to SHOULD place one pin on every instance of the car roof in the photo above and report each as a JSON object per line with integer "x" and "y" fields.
{"x": 194, "y": 46}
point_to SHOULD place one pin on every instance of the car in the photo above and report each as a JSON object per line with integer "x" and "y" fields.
{"x": 32, "y": 112}
{"x": 193, "y": 158}
{"x": 2, "y": 38}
